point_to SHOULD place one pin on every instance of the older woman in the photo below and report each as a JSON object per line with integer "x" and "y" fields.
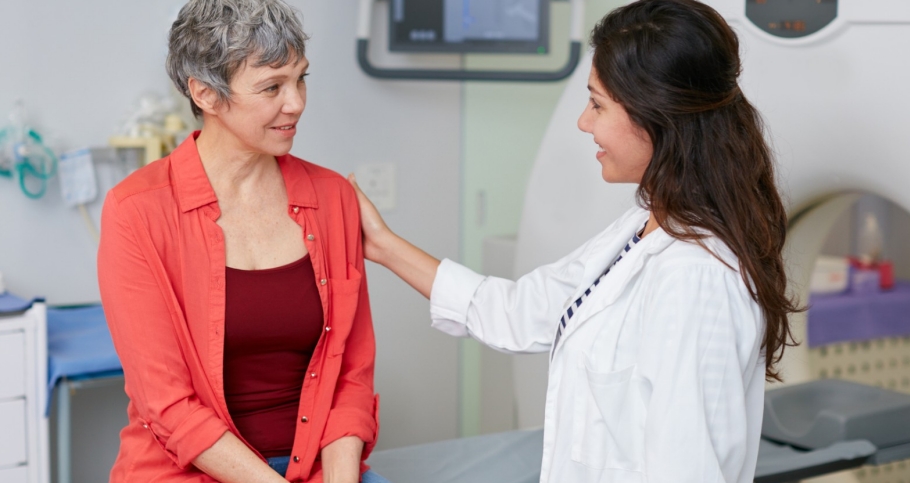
{"x": 232, "y": 276}
{"x": 663, "y": 328}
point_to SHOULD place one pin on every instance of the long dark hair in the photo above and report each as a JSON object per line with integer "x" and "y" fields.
{"x": 673, "y": 65}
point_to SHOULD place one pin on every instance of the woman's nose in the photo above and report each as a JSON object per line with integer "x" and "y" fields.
{"x": 295, "y": 101}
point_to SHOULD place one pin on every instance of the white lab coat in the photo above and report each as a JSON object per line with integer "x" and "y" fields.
{"x": 657, "y": 378}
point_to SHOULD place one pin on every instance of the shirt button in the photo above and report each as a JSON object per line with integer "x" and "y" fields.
{"x": 323, "y": 282}
{"x": 328, "y": 329}
{"x": 313, "y": 374}
{"x": 296, "y": 209}
{"x": 310, "y": 237}
{"x": 296, "y": 459}
{"x": 304, "y": 419}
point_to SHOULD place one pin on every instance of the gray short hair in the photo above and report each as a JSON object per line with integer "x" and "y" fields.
{"x": 212, "y": 39}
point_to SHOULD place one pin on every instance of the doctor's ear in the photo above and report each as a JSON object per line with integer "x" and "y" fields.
{"x": 203, "y": 96}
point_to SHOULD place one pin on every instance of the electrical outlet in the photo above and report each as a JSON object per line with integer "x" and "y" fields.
{"x": 377, "y": 180}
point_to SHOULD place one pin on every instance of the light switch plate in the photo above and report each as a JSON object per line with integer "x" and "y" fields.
{"x": 377, "y": 180}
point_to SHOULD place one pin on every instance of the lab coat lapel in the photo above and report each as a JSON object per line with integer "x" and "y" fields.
{"x": 621, "y": 275}
{"x": 604, "y": 249}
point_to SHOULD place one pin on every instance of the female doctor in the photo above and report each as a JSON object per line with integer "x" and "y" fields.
{"x": 663, "y": 328}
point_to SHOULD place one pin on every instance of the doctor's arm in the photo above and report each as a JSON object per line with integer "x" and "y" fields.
{"x": 147, "y": 334}
{"x": 510, "y": 316}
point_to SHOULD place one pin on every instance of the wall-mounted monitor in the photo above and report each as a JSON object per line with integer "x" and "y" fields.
{"x": 458, "y": 26}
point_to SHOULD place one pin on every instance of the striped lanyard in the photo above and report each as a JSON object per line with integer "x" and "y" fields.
{"x": 574, "y": 307}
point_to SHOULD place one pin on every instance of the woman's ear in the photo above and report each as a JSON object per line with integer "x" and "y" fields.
{"x": 203, "y": 96}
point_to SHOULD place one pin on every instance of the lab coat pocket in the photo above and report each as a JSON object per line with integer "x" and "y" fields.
{"x": 344, "y": 297}
{"x": 609, "y": 420}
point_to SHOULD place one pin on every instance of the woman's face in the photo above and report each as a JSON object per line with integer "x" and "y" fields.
{"x": 625, "y": 148}
{"x": 266, "y": 103}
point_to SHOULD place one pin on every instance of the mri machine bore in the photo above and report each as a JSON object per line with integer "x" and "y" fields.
{"x": 828, "y": 77}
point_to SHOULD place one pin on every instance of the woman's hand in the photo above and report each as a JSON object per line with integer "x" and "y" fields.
{"x": 375, "y": 232}
{"x": 380, "y": 245}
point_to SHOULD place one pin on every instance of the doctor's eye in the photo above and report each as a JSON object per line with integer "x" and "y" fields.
{"x": 594, "y": 104}
{"x": 303, "y": 77}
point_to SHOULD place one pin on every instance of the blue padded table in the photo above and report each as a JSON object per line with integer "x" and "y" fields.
{"x": 80, "y": 354}
{"x": 11, "y": 304}
{"x": 79, "y": 345}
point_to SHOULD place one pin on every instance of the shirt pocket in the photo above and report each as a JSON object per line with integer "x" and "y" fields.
{"x": 344, "y": 298}
{"x": 610, "y": 415}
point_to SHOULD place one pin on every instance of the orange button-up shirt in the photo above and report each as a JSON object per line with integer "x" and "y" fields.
{"x": 161, "y": 269}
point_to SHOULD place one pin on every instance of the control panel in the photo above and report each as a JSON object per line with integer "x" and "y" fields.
{"x": 791, "y": 18}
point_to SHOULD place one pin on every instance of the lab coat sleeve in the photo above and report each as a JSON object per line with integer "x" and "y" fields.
{"x": 355, "y": 408}
{"x": 510, "y": 316}
{"x": 699, "y": 332}
{"x": 147, "y": 329}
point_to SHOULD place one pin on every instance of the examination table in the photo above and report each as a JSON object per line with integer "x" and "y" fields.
{"x": 808, "y": 430}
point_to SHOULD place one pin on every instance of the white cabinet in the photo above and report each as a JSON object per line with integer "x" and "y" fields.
{"x": 23, "y": 395}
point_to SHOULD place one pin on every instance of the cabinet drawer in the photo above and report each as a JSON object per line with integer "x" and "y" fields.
{"x": 18, "y": 474}
{"x": 12, "y": 364}
{"x": 12, "y": 438}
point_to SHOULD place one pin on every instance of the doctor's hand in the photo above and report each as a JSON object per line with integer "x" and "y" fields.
{"x": 380, "y": 245}
{"x": 376, "y": 233}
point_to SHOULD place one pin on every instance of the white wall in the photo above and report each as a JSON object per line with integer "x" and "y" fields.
{"x": 80, "y": 65}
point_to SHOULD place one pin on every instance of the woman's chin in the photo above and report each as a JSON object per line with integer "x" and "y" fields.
{"x": 280, "y": 150}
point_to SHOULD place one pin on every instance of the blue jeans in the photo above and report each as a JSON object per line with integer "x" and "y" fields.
{"x": 280, "y": 465}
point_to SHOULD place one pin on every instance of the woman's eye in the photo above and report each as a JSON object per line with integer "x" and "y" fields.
{"x": 271, "y": 89}
{"x": 594, "y": 104}
{"x": 303, "y": 78}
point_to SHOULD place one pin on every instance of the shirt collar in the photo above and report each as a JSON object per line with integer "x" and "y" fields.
{"x": 194, "y": 189}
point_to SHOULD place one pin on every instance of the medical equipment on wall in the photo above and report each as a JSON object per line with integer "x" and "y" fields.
{"x": 24, "y": 155}
{"x": 461, "y": 26}
{"x": 77, "y": 177}
{"x": 496, "y": 26}
{"x": 152, "y": 129}
{"x": 78, "y": 185}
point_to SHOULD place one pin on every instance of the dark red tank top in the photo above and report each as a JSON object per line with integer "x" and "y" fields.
{"x": 272, "y": 322}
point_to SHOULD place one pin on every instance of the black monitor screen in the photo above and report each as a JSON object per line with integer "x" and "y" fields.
{"x": 507, "y": 26}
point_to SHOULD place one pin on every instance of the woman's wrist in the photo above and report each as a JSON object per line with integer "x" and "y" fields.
{"x": 341, "y": 460}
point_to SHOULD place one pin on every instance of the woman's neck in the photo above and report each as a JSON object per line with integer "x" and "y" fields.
{"x": 230, "y": 169}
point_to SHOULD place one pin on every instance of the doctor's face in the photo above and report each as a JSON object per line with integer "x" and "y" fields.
{"x": 624, "y": 148}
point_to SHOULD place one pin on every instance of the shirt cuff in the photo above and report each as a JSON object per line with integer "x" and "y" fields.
{"x": 453, "y": 289}
{"x": 197, "y": 433}
{"x": 353, "y": 422}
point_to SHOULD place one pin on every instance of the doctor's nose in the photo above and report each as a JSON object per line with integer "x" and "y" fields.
{"x": 584, "y": 121}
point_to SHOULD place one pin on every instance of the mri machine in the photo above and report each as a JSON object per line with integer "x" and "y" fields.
{"x": 837, "y": 106}
{"x": 832, "y": 80}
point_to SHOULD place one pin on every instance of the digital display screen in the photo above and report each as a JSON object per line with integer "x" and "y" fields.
{"x": 791, "y": 18}
{"x": 500, "y": 26}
